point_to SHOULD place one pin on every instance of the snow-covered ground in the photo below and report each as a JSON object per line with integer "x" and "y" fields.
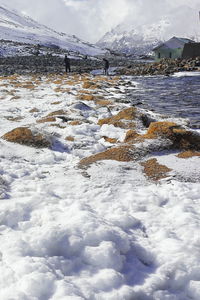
{"x": 101, "y": 233}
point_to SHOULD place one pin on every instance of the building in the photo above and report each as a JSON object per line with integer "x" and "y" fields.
{"x": 191, "y": 50}
{"x": 172, "y": 48}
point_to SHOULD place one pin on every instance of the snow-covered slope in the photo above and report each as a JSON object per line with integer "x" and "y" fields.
{"x": 17, "y": 27}
{"x": 129, "y": 37}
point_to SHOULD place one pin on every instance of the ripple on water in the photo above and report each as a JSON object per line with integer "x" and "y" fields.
{"x": 174, "y": 96}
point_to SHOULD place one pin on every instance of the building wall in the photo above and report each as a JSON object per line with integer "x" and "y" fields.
{"x": 191, "y": 50}
{"x": 168, "y": 53}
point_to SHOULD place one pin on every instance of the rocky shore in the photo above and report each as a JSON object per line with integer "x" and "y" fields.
{"x": 124, "y": 133}
{"x": 45, "y": 64}
{"x": 49, "y": 64}
{"x": 163, "y": 67}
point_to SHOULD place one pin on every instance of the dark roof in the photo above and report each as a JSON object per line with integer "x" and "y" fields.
{"x": 191, "y": 50}
{"x": 174, "y": 43}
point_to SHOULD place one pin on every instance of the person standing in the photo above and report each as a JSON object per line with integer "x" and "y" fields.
{"x": 67, "y": 64}
{"x": 106, "y": 66}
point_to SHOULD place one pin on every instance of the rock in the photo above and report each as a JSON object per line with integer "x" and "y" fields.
{"x": 160, "y": 129}
{"x": 123, "y": 153}
{"x": 47, "y": 120}
{"x": 130, "y": 136}
{"x": 82, "y": 106}
{"x": 89, "y": 85}
{"x": 188, "y": 154}
{"x": 123, "y": 119}
{"x": 180, "y": 137}
{"x": 57, "y": 113}
{"x": 87, "y": 97}
{"x": 154, "y": 170}
{"x": 33, "y": 110}
{"x": 110, "y": 140}
{"x": 75, "y": 122}
{"x": 24, "y": 136}
{"x": 70, "y": 138}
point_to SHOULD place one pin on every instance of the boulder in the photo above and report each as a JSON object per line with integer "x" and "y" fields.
{"x": 154, "y": 170}
{"x": 123, "y": 119}
{"x": 24, "y": 136}
{"x": 131, "y": 135}
{"x": 123, "y": 154}
{"x": 181, "y": 138}
{"x": 188, "y": 154}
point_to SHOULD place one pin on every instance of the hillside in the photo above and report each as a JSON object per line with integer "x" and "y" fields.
{"x": 21, "y": 29}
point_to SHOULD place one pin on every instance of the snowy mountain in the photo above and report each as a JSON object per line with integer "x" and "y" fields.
{"x": 19, "y": 28}
{"x": 131, "y": 38}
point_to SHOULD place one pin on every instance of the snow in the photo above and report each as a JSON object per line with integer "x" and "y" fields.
{"x": 17, "y": 27}
{"x": 102, "y": 233}
{"x": 184, "y": 74}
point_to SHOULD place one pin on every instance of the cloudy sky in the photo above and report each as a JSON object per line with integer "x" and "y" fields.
{"x": 91, "y": 19}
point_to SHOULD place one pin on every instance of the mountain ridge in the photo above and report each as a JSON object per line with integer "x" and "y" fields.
{"x": 128, "y": 37}
{"x": 19, "y": 28}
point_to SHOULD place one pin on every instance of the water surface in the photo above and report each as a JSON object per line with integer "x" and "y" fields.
{"x": 176, "y": 96}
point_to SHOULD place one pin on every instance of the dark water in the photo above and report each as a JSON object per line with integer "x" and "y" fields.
{"x": 172, "y": 96}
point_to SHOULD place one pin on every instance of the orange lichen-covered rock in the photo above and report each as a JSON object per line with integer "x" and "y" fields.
{"x": 123, "y": 154}
{"x": 87, "y": 97}
{"x": 123, "y": 119}
{"x": 131, "y": 135}
{"x": 188, "y": 154}
{"x": 55, "y": 103}
{"x": 47, "y": 120}
{"x": 110, "y": 140}
{"x": 75, "y": 122}
{"x": 89, "y": 85}
{"x": 103, "y": 102}
{"x": 33, "y": 110}
{"x": 70, "y": 138}
{"x": 154, "y": 170}
{"x": 181, "y": 138}
{"x": 57, "y": 113}
{"x": 24, "y": 136}
{"x": 127, "y": 114}
{"x": 160, "y": 129}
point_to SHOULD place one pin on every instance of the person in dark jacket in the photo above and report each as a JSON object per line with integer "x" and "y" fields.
{"x": 67, "y": 64}
{"x": 106, "y": 66}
